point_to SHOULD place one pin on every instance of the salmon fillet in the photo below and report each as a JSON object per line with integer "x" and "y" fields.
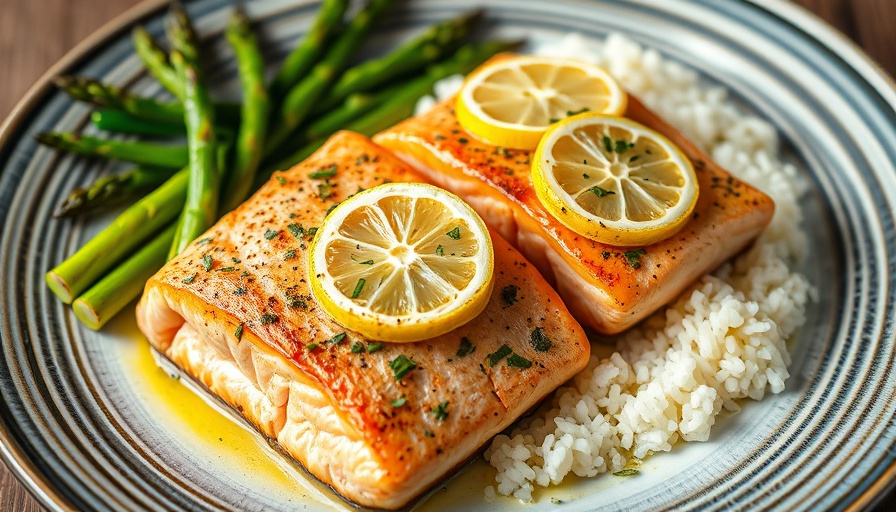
{"x": 598, "y": 283}
{"x": 235, "y": 312}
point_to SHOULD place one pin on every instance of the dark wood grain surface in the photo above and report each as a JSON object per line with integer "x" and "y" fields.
{"x": 34, "y": 34}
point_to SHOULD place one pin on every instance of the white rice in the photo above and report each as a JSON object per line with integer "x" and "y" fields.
{"x": 723, "y": 340}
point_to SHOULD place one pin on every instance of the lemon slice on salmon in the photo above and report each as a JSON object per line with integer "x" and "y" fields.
{"x": 510, "y": 101}
{"x": 402, "y": 262}
{"x": 614, "y": 180}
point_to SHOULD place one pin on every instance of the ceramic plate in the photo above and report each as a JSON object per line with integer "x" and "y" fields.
{"x": 87, "y": 421}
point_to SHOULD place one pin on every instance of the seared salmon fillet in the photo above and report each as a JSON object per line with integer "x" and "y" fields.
{"x": 604, "y": 287}
{"x": 235, "y": 312}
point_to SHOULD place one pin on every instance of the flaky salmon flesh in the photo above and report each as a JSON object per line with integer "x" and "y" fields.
{"x": 235, "y": 312}
{"x": 599, "y": 284}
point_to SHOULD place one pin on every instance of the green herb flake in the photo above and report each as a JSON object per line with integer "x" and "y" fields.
{"x": 634, "y": 257}
{"x": 357, "y": 348}
{"x": 626, "y": 472}
{"x": 296, "y": 302}
{"x": 190, "y": 279}
{"x": 239, "y": 291}
{"x": 632, "y": 159}
{"x": 463, "y": 140}
{"x": 290, "y": 254}
{"x": 539, "y": 340}
{"x": 466, "y": 347}
{"x": 375, "y": 347}
{"x": 269, "y": 318}
{"x": 204, "y": 241}
{"x": 600, "y": 192}
{"x": 335, "y": 340}
{"x": 570, "y": 113}
{"x": 508, "y": 294}
{"x": 207, "y": 262}
{"x": 271, "y": 234}
{"x": 312, "y": 347}
{"x": 399, "y": 402}
{"x": 440, "y": 251}
{"x": 585, "y": 176}
{"x": 296, "y": 230}
{"x": 623, "y": 146}
{"x": 608, "y": 144}
{"x": 441, "y": 411}
{"x": 454, "y": 233}
{"x": 427, "y": 433}
{"x": 236, "y": 260}
{"x": 324, "y": 191}
{"x": 359, "y": 287}
{"x": 497, "y": 356}
{"x": 401, "y": 366}
{"x": 281, "y": 179}
{"x": 311, "y": 231}
{"x": 556, "y": 501}
{"x": 227, "y": 269}
{"x": 238, "y": 333}
{"x": 518, "y": 361}
{"x": 330, "y": 209}
{"x": 327, "y": 172}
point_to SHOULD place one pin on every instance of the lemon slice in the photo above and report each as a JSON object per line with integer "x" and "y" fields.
{"x": 614, "y": 180}
{"x": 402, "y": 262}
{"x": 511, "y": 101}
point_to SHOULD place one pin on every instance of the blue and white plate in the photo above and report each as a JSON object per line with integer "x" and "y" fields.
{"x": 88, "y": 422}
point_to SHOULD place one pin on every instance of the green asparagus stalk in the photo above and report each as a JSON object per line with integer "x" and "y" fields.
{"x": 125, "y": 283}
{"x": 253, "y": 127}
{"x": 306, "y": 54}
{"x": 141, "y": 153}
{"x": 156, "y": 61}
{"x": 118, "y": 121}
{"x": 181, "y": 35}
{"x": 438, "y": 41}
{"x": 113, "y": 190}
{"x": 201, "y": 208}
{"x": 400, "y": 103}
{"x": 301, "y": 98}
{"x": 130, "y": 229}
{"x": 109, "y": 96}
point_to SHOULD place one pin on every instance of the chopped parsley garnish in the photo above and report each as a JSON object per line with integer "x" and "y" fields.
{"x": 330, "y": 209}
{"x": 508, "y": 294}
{"x": 238, "y": 333}
{"x": 236, "y": 260}
{"x": 269, "y": 318}
{"x": 398, "y": 402}
{"x": 454, "y": 233}
{"x": 281, "y": 179}
{"x": 359, "y": 287}
{"x": 312, "y": 346}
{"x": 626, "y": 472}
{"x": 539, "y": 340}
{"x": 632, "y": 159}
{"x": 239, "y": 291}
{"x": 498, "y": 355}
{"x": 365, "y": 262}
{"x": 634, "y": 257}
{"x": 502, "y": 151}
{"x": 271, "y": 234}
{"x": 311, "y": 231}
{"x": 374, "y": 347}
{"x": 296, "y": 230}
{"x": 570, "y": 113}
{"x": 441, "y": 411}
{"x": 600, "y": 192}
{"x": 518, "y": 361}
{"x": 585, "y": 176}
{"x": 290, "y": 254}
{"x": 608, "y": 144}
{"x": 335, "y": 340}
{"x": 462, "y": 140}
{"x": 357, "y": 348}
{"x": 440, "y": 251}
{"x": 190, "y": 279}
{"x": 324, "y": 191}
{"x": 204, "y": 241}
{"x": 427, "y": 433}
{"x": 623, "y": 146}
{"x": 227, "y": 269}
{"x": 466, "y": 347}
{"x": 207, "y": 262}
{"x": 296, "y": 302}
{"x": 328, "y": 172}
{"x": 401, "y": 366}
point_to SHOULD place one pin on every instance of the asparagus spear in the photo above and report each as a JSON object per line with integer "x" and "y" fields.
{"x": 121, "y": 122}
{"x": 400, "y": 103}
{"x": 109, "y": 191}
{"x": 301, "y": 98}
{"x": 201, "y": 205}
{"x": 142, "y": 153}
{"x": 438, "y": 41}
{"x": 300, "y": 60}
{"x": 253, "y": 128}
{"x": 125, "y": 283}
{"x": 181, "y": 36}
{"x": 156, "y": 61}
{"x": 74, "y": 275}
{"x": 109, "y": 96}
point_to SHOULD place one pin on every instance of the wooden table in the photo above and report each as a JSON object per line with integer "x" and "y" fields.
{"x": 34, "y": 34}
